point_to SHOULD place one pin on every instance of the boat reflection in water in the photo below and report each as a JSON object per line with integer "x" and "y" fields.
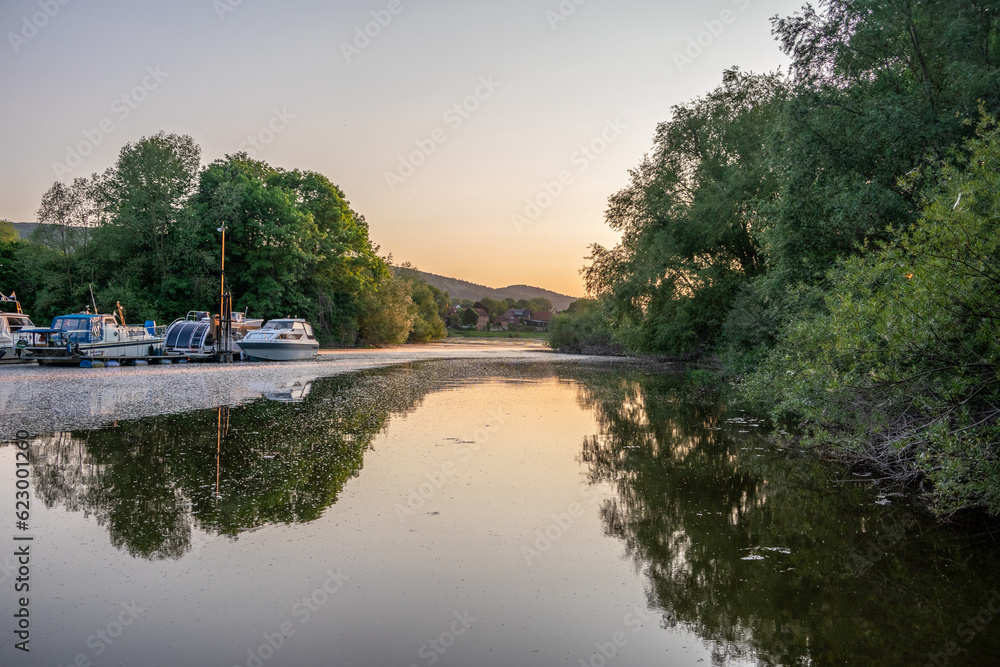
{"x": 293, "y": 392}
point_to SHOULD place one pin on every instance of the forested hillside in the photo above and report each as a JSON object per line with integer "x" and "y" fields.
{"x": 462, "y": 289}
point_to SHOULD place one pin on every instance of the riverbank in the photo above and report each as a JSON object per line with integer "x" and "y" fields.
{"x": 47, "y": 399}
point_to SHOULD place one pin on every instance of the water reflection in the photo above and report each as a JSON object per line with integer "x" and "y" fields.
{"x": 225, "y": 471}
{"x": 293, "y": 392}
{"x": 776, "y": 555}
{"x": 770, "y": 556}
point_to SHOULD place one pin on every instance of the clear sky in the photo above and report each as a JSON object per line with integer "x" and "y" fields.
{"x": 480, "y": 140}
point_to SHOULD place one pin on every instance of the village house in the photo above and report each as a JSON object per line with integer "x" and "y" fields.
{"x": 539, "y": 320}
{"x": 484, "y": 319}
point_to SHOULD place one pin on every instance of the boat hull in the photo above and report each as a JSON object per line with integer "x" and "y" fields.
{"x": 10, "y": 355}
{"x": 120, "y": 352}
{"x": 279, "y": 350}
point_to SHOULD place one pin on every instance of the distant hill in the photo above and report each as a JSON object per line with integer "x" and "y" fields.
{"x": 462, "y": 289}
{"x": 25, "y": 228}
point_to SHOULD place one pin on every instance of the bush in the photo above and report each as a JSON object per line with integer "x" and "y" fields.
{"x": 902, "y": 369}
{"x": 583, "y": 329}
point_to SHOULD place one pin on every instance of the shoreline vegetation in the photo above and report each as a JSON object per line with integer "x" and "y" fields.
{"x": 146, "y": 233}
{"x": 826, "y": 241}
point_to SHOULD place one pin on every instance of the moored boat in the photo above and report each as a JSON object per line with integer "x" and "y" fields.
{"x": 94, "y": 338}
{"x": 11, "y": 324}
{"x": 196, "y": 336}
{"x": 285, "y": 339}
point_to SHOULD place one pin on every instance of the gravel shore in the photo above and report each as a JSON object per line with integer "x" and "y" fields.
{"x": 49, "y": 399}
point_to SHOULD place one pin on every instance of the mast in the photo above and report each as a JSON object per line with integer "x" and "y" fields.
{"x": 225, "y": 310}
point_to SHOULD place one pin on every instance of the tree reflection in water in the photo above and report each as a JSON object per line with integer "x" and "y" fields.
{"x": 771, "y": 555}
{"x": 151, "y": 482}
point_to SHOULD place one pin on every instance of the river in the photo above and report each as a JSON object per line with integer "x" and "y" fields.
{"x": 480, "y": 511}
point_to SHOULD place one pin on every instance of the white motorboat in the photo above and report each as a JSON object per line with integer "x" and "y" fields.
{"x": 287, "y": 339}
{"x": 10, "y": 327}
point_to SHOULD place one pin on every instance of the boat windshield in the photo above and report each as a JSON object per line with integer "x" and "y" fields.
{"x": 278, "y": 324}
{"x": 79, "y": 329}
{"x": 71, "y": 323}
{"x": 18, "y": 323}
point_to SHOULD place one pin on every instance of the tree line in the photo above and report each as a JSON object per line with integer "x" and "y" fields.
{"x": 146, "y": 233}
{"x": 829, "y": 236}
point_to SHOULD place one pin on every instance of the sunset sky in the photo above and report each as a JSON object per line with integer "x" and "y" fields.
{"x": 480, "y": 140}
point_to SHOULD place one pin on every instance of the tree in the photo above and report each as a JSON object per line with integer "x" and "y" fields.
{"x": 879, "y": 86}
{"x": 387, "y": 312}
{"x": 470, "y": 317}
{"x": 428, "y": 323}
{"x": 146, "y": 192}
{"x": 691, "y": 219}
{"x": 66, "y": 216}
{"x": 583, "y": 328}
{"x": 8, "y": 233}
{"x": 540, "y": 304}
{"x": 903, "y": 366}
{"x": 294, "y": 246}
{"x": 492, "y": 306}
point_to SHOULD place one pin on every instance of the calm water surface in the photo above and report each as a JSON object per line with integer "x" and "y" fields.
{"x": 461, "y": 513}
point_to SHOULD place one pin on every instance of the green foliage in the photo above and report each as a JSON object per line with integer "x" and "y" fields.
{"x": 879, "y": 86}
{"x": 690, "y": 220}
{"x": 7, "y": 232}
{"x": 470, "y": 317}
{"x": 775, "y": 215}
{"x": 583, "y": 328}
{"x": 903, "y": 365}
{"x": 493, "y": 307}
{"x": 387, "y": 312}
{"x": 538, "y": 304}
{"x": 428, "y": 301}
{"x": 146, "y": 233}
